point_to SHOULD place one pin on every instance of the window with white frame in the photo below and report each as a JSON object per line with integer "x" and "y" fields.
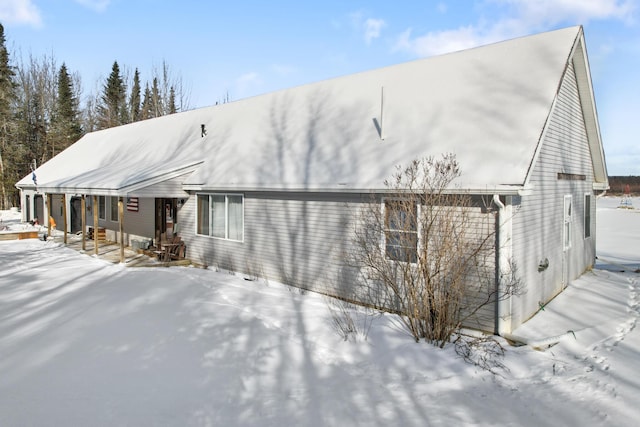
{"x": 114, "y": 209}
{"x": 587, "y": 215}
{"x": 102, "y": 207}
{"x": 401, "y": 230}
{"x": 221, "y": 216}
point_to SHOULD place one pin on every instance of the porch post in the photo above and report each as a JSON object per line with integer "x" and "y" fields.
{"x": 48, "y": 218}
{"x": 121, "y": 221}
{"x": 95, "y": 224}
{"x": 64, "y": 216}
{"x": 23, "y": 206}
{"x": 32, "y": 207}
{"x": 83, "y": 215}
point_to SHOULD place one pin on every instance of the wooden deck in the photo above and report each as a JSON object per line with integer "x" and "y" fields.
{"x": 19, "y": 235}
{"x": 110, "y": 251}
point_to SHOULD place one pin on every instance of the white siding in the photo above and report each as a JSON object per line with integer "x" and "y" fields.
{"x": 136, "y": 224}
{"x": 303, "y": 240}
{"x": 141, "y": 223}
{"x": 298, "y": 239}
{"x": 171, "y": 188}
{"x": 538, "y": 219}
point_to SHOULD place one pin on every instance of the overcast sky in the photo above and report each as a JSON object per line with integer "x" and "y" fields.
{"x": 244, "y": 48}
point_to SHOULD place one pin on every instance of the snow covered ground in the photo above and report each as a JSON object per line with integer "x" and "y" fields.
{"x": 87, "y": 343}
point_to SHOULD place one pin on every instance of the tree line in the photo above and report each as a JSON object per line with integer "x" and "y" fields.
{"x": 42, "y": 109}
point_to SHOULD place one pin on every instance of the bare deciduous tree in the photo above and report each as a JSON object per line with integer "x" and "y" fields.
{"x": 427, "y": 251}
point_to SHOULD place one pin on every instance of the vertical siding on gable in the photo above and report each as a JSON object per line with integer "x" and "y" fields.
{"x": 538, "y": 219}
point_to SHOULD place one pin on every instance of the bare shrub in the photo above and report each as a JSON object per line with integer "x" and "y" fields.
{"x": 426, "y": 250}
{"x": 351, "y": 322}
{"x": 484, "y": 351}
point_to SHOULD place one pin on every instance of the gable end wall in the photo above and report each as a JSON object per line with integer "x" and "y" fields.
{"x": 538, "y": 219}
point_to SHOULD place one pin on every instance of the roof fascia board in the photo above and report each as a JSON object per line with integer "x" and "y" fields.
{"x": 162, "y": 178}
{"x": 506, "y": 190}
{"x": 552, "y": 108}
{"x": 587, "y": 100}
{"x": 122, "y": 191}
{"x": 589, "y": 111}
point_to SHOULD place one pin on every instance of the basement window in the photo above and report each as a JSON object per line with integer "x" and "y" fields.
{"x": 401, "y": 230}
{"x": 221, "y": 216}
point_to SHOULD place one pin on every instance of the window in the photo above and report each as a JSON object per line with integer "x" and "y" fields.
{"x": 221, "y": 216}
{"x": 102, "y": 208}
{"x": 566, "y": 232}
{"x": 587, "y": 215}
{"x": 401, "y": 230}
{"x": 114, "y": 209}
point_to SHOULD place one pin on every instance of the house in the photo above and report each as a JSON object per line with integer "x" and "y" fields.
{"x": 268, "y": 185}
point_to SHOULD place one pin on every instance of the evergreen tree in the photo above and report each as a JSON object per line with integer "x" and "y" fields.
{"x": 156, "y": 99}
{"x": 8, "y": 150}
{"x": 147, "y": 109}
{"x": 112, "y": 110}
{"x": 172, "y": 101}
{"x": 134, "y": 100}
{"x": 66, "y": 128}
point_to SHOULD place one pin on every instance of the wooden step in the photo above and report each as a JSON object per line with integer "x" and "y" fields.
{"x": 102, "y": 233}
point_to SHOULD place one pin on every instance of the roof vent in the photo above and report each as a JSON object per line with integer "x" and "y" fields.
{"x": 203, "y": 131}
{"x": 378, "y": 123}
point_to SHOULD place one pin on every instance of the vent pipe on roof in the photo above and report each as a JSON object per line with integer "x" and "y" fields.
{"x": 203, "y": 131}
{"x": 381, "y": 111}
{"x": 378, "y": 123}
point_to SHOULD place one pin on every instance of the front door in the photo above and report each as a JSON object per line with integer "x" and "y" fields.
{"x": 38, "y": 206}
{"x": 166, "y": 220}
{"x": 76, "y": 214}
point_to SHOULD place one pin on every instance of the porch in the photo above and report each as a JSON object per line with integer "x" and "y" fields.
{"x": 111, "y": 251}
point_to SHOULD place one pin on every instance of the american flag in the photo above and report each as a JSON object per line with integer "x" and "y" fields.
{"x": 132, "y": 204}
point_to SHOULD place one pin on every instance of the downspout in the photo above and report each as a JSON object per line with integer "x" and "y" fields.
{"x": 505, "y": 251}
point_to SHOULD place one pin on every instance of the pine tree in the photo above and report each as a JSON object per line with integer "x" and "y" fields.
{"x": 156, "y": 99}
{"x": 134, "y": 100}
{"x": 7, "y": 151}
{"x": 172, "y": 101}
{"x": 112, "y": 109}
{"x": 147, "y": 110}
{"x": 66, "y": 128}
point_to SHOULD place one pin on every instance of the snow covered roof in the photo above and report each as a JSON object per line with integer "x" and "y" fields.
{"x": 487, "y": 105}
